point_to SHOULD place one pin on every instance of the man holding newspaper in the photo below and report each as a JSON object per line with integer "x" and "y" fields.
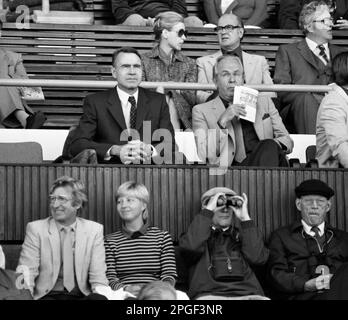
{"x": 240, "y": 126}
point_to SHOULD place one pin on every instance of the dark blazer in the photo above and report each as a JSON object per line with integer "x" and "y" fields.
{"x": 296, "y": 64}
{"x": 102, "y": 121}
{"x": 8, "y": 286}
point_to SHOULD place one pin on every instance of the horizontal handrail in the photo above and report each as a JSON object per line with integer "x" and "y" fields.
{"x": 153, "y": 85}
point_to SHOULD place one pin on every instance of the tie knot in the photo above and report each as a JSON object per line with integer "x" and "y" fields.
{"x": 315, "y": 229}
{"x": 131, "y": 100}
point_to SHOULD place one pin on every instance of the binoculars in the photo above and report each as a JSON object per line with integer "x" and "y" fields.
{"x": 228, "y": 200}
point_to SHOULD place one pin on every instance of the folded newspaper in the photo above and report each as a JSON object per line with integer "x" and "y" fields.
{"x": 32, "y": 93}
{"x": 247, "y": 97}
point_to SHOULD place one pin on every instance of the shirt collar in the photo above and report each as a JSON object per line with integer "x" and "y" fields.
{"x": 238, "y": 52}
{"x": 225, "y": 102}
{"x": 71, "y": 227}
{"x": 314, "y": 46}
{"x": 177, "y": 55}
{"x": 124, "y": 95}
{"x": 133, "y": 235}
{"x": 308, "y": 228}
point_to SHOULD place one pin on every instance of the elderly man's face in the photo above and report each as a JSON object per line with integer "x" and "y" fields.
{"x": 62, "y": 206}
{"x": 229, "y": 73}
{"x": 321, "y": 28}
{"x": 313, "y": 208}
{"x": 229, "y": 39}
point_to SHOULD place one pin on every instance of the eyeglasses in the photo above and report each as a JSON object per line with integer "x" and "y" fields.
{"x": 227, "y": 28}
{"x": 326, "y": 21}
{"x": 181, "y": 33}
{"x": 60, "y": 199}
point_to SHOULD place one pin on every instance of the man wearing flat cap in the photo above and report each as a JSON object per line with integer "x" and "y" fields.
{"x": 306, "y": 257}
{"x": 223, "y": 241}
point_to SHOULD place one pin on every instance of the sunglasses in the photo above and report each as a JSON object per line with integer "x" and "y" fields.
{"x": 227, "y": 28}
{"x": 181, "y": 33}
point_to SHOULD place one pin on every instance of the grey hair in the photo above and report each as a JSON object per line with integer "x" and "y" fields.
{"x": 223, "y": 57}
{"x": 308, "y": 12}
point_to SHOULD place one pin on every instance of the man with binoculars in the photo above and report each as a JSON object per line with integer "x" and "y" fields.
{"x": 223, "y": 241}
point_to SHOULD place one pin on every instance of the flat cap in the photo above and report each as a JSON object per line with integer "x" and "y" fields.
{"x": 213, "y": 191}
{"x": 314, "y": 187}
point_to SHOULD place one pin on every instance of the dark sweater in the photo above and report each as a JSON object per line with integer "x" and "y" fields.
{"x": 122, "y": 9}
{"x": 252, "y": 251}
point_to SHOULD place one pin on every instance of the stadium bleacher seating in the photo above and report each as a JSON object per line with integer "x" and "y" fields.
{"x": 84, "y": 52}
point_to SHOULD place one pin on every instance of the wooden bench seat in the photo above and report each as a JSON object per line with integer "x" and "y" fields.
{"x": 83, "y": 52}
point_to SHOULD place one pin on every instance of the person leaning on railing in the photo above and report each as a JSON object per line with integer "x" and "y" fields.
{"x": 14, "y": 112}
{"x": 165, "y": 62}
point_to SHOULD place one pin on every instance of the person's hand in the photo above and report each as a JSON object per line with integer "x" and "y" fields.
{"x": 212, "y": 203}
{"x": 319, "y": 283}
{"x": 241, "y": 212}
{"x": 133, "y": 289}
{"x": 133, "y": 151}
{"x": 341, "y": 24}
{"x": 233, "y": 110}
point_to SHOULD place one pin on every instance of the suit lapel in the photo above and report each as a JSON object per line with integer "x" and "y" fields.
{"x": 54, "y": 239}
{"x": 143, "y": 108}
{"x": 307, "y": 54}
{"x": 249, "y": 66}
{"x": 258, "y": 125}
{"x": 115, "y": 108}
{"x": 80, "y": 248}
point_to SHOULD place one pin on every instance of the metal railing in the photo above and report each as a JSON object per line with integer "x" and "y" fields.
{"x": 155, "y": 85}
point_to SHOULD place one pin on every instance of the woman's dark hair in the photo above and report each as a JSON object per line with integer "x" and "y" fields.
{"x": 340, "y": 68}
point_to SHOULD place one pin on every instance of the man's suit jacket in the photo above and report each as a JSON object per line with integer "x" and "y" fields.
{"x": 41, "y": 254}
{"x": 222, "y": 143}
{"x": 256, "y": 71}
{"x": 296, "y": 64}
{"x": 103, "y": 122}
{"x": 332, "y": 130}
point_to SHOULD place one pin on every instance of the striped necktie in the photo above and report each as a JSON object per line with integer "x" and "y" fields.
{"x": 322, "y": 53}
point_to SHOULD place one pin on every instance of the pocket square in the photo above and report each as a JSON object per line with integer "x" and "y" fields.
{"x": 265, "y": 116}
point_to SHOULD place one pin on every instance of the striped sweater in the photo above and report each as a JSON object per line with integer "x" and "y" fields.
{"x": 144, "y": 259}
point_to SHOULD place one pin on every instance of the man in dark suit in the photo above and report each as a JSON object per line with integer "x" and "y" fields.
{"x": 122, "y": 124}
{"x": 306, "y": 62}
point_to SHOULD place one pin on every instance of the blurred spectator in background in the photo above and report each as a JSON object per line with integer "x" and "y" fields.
{"x": 306, "y": 62}
{"x": 332, "y": 120}
{"x": 230, "y": 31}
{"x": 165, "y": 62}
{"x": 252, "y": 12}
{"x": 142, "y": 12}
{"x": 289, "y": 12}
{"x": 14, "y": 112}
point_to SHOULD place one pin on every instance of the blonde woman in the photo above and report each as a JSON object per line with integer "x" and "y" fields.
{"x": 138, "y": 253}
{"x": 165, "y": 62}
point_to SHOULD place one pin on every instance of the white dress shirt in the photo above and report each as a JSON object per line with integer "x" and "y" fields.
{"x": 308, "y": 228}
{"x": 313, "y": 46}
